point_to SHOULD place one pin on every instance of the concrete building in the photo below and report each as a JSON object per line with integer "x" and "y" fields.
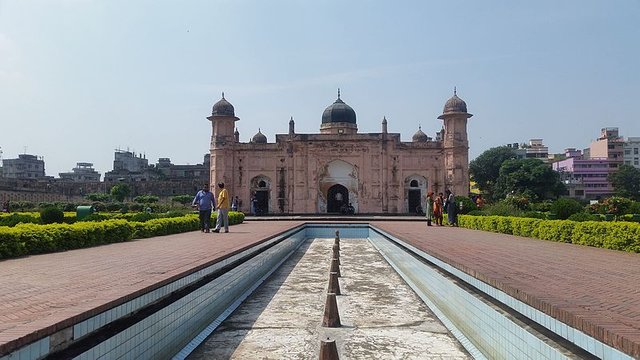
{"x": 83, "y": 171}
{"x": 320, "y": 173}
{"x": 584, "y": 178}
{"x": 535, "y": 149}
{"x": 608, "y": 146}
{"x": 631, "y": 149}
{"x": 24, "y": 167}
{"x": 171, "y": 171}
{"x": 129, "y": 161}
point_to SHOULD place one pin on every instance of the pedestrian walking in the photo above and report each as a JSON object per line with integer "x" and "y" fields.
{"x": 223, "y": 209}
{"x": 204, "y": 202}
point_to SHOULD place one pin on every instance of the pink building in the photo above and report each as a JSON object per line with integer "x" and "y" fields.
{"x": 584, "y": 178}
{"x": 322, "y": 172}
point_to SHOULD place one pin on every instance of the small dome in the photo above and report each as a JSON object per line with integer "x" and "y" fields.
{"x": 223, "y": 108}
{"x": 339, "y": 112}
{"x": 420, "y": 136}
{"x": 455, "y": 105}
{"x": 259, "y": 138}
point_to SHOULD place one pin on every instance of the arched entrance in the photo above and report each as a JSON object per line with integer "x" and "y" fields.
{"x": 262, "y": 199}
{"x": 414, "y": 198}
{"x": 337, "y": 196}
{"x": 261, "y": 189}
{"x": 415, "y": 187}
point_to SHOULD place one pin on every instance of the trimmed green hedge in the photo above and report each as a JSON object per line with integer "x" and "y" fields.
{"x": 623, "y": 236}
{"x": 29, "y": 239}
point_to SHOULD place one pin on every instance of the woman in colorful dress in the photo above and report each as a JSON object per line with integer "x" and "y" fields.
{"x": 437, "y": 209}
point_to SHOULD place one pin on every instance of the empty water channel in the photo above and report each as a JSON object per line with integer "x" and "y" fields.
{"x": 380, "y": 316}
{"x": 269, "y": 302}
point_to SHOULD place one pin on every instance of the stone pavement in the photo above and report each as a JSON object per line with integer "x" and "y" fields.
{"x": 595, "y": 290}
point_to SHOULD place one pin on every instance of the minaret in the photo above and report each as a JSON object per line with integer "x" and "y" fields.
{"x": 456, "y": 145}
{"x": 292, "y": 126}
{"x": 384, "y": 125}
{"x": 223, "y": 138}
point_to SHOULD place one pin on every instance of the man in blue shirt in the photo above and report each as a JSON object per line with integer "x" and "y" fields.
{"x": 204, "y": 201}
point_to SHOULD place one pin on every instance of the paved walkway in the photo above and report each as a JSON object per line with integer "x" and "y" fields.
{"x": 595, "y": 290}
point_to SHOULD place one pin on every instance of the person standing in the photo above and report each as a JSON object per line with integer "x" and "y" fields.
{"x": 223, "y": 209}
{"x": 479, "y": 202}
{"x": 438, "y": 205}
{"x": 234, "y": 204}
{"x": 452, "y": 209}
{"x": 429, "y": 208}
{"x": 204, "y": 202}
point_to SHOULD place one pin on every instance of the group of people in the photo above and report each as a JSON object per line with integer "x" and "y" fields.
{"x": 438, "y": 205}
{"x": 205, "y": 201}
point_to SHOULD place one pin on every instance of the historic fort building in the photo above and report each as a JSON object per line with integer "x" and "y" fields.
{"x": 319, "y": 173}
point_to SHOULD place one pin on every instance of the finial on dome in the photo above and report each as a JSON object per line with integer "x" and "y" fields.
{"x": 291, "y": 118}
{"x": 338, "y": 93}
{"x": 420, "y": 127}
{"x": 223, "y": 94}
{"x": 454, "y": 91}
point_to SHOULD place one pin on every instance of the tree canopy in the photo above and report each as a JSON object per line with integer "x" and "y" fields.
{"x": 120, "y": 191}
{"x": 529, "y": 177}
{"x": 485, "y": 169}
{"x": 626, "y": 182}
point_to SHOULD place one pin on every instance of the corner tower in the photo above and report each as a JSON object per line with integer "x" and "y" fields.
{"x": 456, "y": 145}
{"x": 223, "y": 141}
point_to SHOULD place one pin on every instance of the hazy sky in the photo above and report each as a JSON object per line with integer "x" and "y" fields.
{"x": 80, "y": 78}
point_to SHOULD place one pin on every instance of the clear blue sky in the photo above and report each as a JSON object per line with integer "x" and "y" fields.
{"x": 80, "y": 78}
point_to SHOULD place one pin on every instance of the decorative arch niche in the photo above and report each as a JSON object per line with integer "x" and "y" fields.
{"x": 415, "y": 192}
{"x": 337, "y": 172}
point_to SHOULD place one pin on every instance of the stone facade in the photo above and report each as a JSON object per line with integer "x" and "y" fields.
{"x": 319, "y": 173}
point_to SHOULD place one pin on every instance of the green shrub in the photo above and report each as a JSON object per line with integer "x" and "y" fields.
{"x": 544, "y": 206}
{"x": 565, "y": 207}
{"x": 502, "y": 209}
{"x": 465, "y": 205}
{"x": 25, "y": 239}
{"x": 135, "y": 207}
{"x": 19, "y": 218}
{"x": 583, "y": 216}
{"x": 624, "y": 236}
{"x": 520, "y": 201}
{"x": 50, "y": 215}
{"x": 146, "y": 199}
{"x": 534, "y": 215}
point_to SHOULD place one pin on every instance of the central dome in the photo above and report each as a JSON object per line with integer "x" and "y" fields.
{"x": 339, "y": 112}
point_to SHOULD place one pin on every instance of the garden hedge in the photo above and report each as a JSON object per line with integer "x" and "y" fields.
{"x": 617, "y": 235}
{"x": 29, "y": 239}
